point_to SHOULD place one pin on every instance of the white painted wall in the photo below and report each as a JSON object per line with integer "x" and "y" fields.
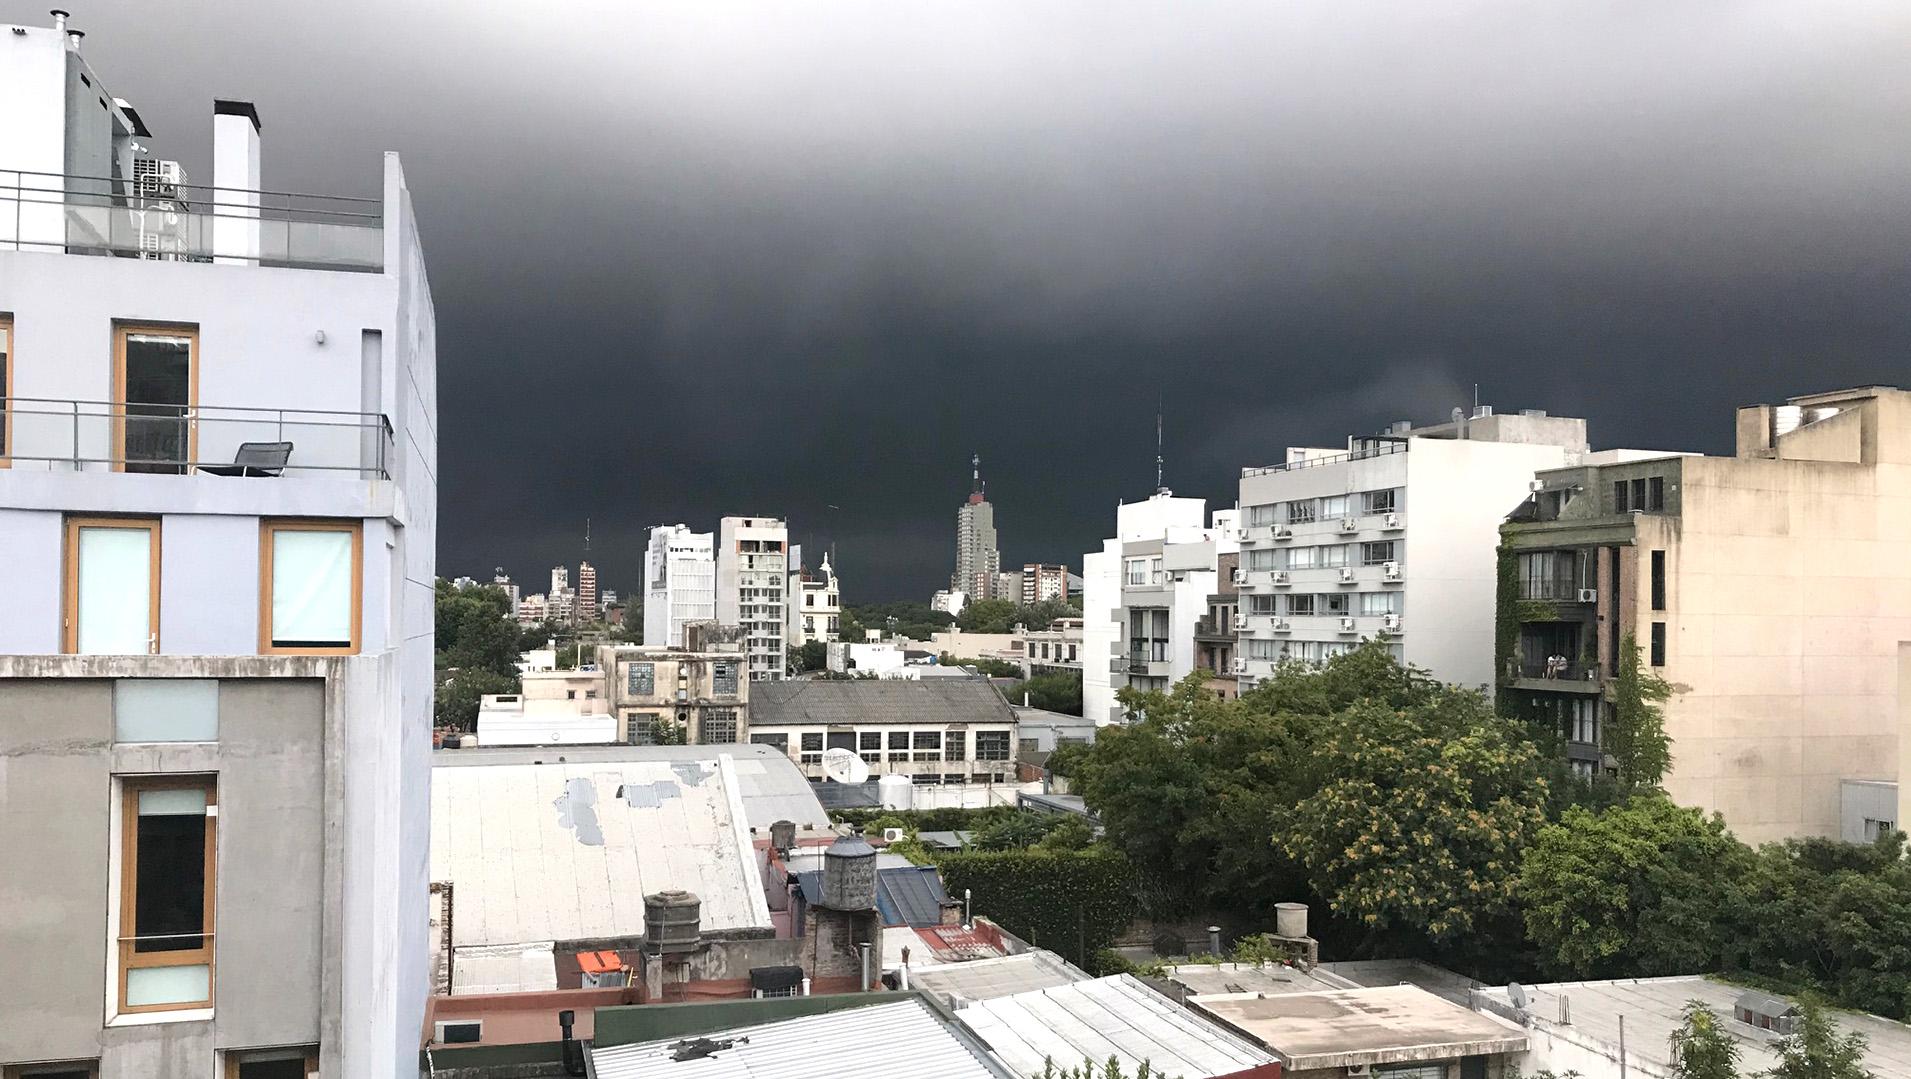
{"x": 1101, "y": 596}
{"x": 31, "y": 581}
{"x": 209, "y": 588}
{"x": 32, "y": 126}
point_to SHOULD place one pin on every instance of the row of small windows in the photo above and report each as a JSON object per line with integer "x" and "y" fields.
{"x": 309, "y": 583}
{"x": 1302, "y": 604}
{"x": 1307, "y": 651}
{"x": 1330, "y": 508}
{"x": 1325, "y": 556}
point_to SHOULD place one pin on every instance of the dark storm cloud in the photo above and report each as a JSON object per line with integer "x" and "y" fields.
{"x": 692, "y": 259}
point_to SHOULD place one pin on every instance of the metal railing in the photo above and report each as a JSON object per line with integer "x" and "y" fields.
{"x": 1379, "y": 448}
{"x": 82, "y": 436}
{"x": 1571, "y": 672}
{"x": 145, "y": 218}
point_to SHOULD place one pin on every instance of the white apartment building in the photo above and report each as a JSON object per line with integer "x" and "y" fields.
{"x": 815, "y": 604}
{"x": 1143, "y": 594}
{"x": 218, "y": 505}
{"x": 752, "y": 589}
{"x": 680, "y": 583}
{"x": 1392, "y": 537}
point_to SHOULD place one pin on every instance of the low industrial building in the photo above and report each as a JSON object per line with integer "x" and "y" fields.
{"x": 699, "y": 694}
{"x": 1401, "y": 1029}
{"x": 943, "y": 730}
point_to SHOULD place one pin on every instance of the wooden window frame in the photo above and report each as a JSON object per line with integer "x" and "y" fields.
{"x": 128, "y": 959}
{"x": 236, "y": 1058}
{"x": 123, "y": 330}
{"x": 269, "y": 527}
{"x": 6, "y": 399}
{"x": 70, "y": 603}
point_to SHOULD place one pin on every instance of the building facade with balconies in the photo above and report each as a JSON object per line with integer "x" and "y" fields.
{"x": 1772, "y": 589}
{"x": 1391, "y": 538}
{"x": 680, "y": 583}
{"x": 218, "y": 507}
{"x": 753, "y": 589}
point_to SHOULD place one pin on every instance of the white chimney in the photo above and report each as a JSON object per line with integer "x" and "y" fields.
{"x": 235, "y": 179}
{"x": 59, "y": 20}
{"x": 73, "y": 40}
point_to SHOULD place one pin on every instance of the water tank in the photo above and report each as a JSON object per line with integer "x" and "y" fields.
{"x": 671, "y": 922}
{"x": 849, "y": 874}
{"x": 1290, "y": 920}
{"x": 783, "y": 834}
{"x": 896, "y": 792}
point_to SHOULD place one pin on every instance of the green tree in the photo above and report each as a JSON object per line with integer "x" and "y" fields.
{"x": 1420, "y": 813}
{"x": 458, "y": 696}
{"x": 1057, "y": 692}
{"x": 475, "y": 629}
{"x": 1641, "y": 889}
{"x": 994, "y": 668}
{"x": 1700, "y": 1047}
{"x": 987, "y": 616}
{"x": 809, "y": 656}
{"x": 1634, "y": 733}
{"x": 1069, "y": 833}
{"x": 1813, "y": 1050}
{"x": 1108, "y": 1069}
{"x": 1015, "y": 832}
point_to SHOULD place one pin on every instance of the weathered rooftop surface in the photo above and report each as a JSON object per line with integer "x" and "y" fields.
{"x": 879, "y": 1041}
{"x": 939, "y": 701}
{"x": 1110, "y": 1017}
{"x": 1351, "y": 1027}
{"x": 957, "y": 984}
{"x": 1266, "y": 978}
{"x": 773, "y": 788}
{"x": 567, "y": 850}
{"x": 1653, "y": 1006}
{"x": 1439, "y": 981}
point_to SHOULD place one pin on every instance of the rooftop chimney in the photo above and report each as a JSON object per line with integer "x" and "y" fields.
{"x": 59, "y": 20}
{"x": 73, "y": 40}
{"x": 235, "y": 177}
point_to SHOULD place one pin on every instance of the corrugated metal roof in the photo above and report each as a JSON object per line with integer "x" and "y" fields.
{"x": 563, "y": 851}
{"x": 910, "y": 896}
{"x": 773, "y": 787}
{"x": 938, "y": 701}
{"x": 957, "y": 984}
{"x": 881, "y": 1041}
{"x": 1094, "y": 1020}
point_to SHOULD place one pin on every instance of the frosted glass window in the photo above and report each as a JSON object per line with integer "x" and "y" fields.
{"x": 148, "y": 986}
{"x": 311, "y": 588}
{"x": 113, "y": 611}
{"x": 166, "y": 710}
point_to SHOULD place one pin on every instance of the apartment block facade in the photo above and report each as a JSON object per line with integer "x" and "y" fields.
{"x": 815, "y": 605}
{"x": 218, "y": 509}
{"x": 1042, "y": 582}
{"x": 680, "y": 583}
{"x": 1772, "y": 589}
{"x": 1392, "y": 537}
{"x": 663, "y": 695}
{"x": 753, "y": 589}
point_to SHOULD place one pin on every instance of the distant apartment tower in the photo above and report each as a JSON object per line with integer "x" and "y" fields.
{"x": 534, "y": 609}
{"x": 815, "y": 603}
{"x": 680, "y": 583}
{"x": 752, "y": 589}
{"x": 503, "y": 582}
{"x": 978, "y": 561}
{"x": 1146, "y": 591}
{"x": 1392, "y": 537}
{"x": 216, "y": 650}
{"x": 1042, "y": 582}
{"x": 1771, "y": 588}
{"x": 587, "y": 592}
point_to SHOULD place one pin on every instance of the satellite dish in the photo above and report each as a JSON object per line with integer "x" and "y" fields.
{"x": 844, "y": 766}
{"x": 1516, "y": 993}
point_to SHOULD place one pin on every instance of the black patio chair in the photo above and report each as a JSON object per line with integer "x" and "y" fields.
{"x": 254, "y": 459}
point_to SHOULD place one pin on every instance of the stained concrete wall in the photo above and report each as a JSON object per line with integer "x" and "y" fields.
{"x": 58, "y": 761}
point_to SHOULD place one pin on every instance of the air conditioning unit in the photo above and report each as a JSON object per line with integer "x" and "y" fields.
{"x": 1390, "y": 623}
{"x": 1281, "y": 625}
{"x": 1348, "y": 524}
{"x": 1359, "y": 1071}
{"x": 1390, "y": 571}
{"x": 1535, "y": 486}
{"x": 1589, "y": 595}
{"x": 1240, "y": 622}
{"x": 1282, "y": 532}
{"x": 1346, "y": 575}
{"x": 1392, "y": 522}
{"x": 894, "y": 835}
{"x": 1238, "y": 576}
{"x": 1347, "y": 625}
{"x": 1280, "y": 576}
{"x": 1239, "y": 666}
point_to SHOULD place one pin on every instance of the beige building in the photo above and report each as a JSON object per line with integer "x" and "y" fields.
{"x": 672, "y": 695}
{"x": 1771, "y": 588}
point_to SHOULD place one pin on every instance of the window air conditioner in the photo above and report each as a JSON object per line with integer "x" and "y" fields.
{"x": 1391, "y": 623}
{"x": 1589, "y": 595}
{"x": 1348, "y": 524}
{"x": 1282, "y": 532}
{"x": 1239, "y": 576}
{"x": 1280, "y": 576}
{"x": 1346, "y": 575}
{"x": 1390, "y": 571}
{"x": 1393, "y": 520}
{"x": 1240, "y": 622}
{"x": 1281, "y": 625}
{"x": 1347, "y": 625}
{"x": 894, "y": 835}
{"x": 1239, "y": 666}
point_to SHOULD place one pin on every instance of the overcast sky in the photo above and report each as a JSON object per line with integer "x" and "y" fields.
{"x": 696, "y": 258}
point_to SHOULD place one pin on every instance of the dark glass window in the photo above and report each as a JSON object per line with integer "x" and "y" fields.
{"x": 1658, "y": 644}
{"x": 1658, "y": 580}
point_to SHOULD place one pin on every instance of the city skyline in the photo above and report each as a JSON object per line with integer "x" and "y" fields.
{"x": 1024, "y": 232}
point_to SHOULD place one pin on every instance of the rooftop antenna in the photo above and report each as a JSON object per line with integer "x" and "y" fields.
{"x": 587, "y": 535}
{"x": 1160, "y": 488}
{"x": 975, "y": 464}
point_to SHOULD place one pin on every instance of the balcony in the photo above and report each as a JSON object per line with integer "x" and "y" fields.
{"x": 100, "y": 436}
{"x": 1378, "y": 447}
{"x": 151, "y": 219}
{"x": 1206, "y": 629}
{"x": 1572, "y": 678}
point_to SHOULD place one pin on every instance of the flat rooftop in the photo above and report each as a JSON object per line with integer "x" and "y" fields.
{"x": 1267, "y": 979}
{"x": 956, "y": 984}
{"x": 1352, "y": 1027}
{"x": 1653, "y": 1007}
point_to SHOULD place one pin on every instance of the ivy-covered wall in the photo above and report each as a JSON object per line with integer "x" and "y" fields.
{"x": 1071, "y": 902}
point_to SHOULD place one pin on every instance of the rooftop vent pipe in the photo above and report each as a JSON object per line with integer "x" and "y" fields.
{"x": 73, "y": 40}
{"x": 59, "y": 20}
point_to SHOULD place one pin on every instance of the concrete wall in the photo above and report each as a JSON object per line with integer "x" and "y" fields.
{"x": 58, "y": 802}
